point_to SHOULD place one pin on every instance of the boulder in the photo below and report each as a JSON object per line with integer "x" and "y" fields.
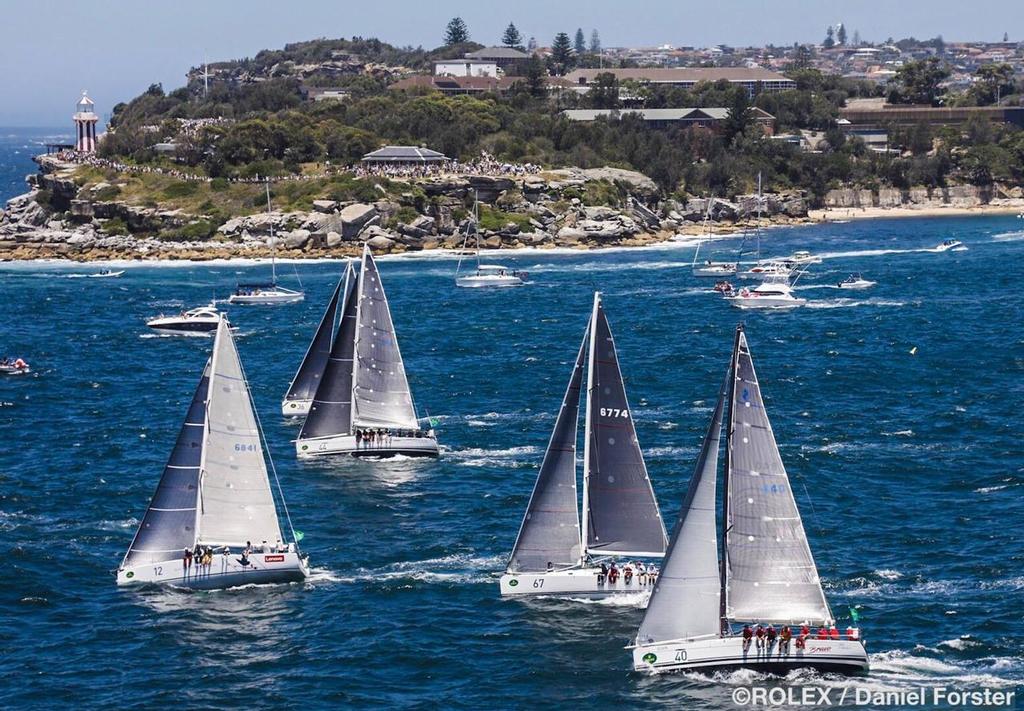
{"x": 380, "y": 242}
{"x": 599, "y": 213}
{"x": 296, "y": 239}
{"x": 569, "y": 235}
{"x": 327, "y": 206}
{"x": 637, "y": 182}
{"x": 423, "y": 222}
{"x": 81, "y": 210}
{"x": 333, "y": 240}
{"x": 355, "y": 217}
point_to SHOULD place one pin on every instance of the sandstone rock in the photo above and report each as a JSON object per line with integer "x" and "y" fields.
{"x": 599, "y": 213}
{"x": 423, "y": 222}
{"x": 327, "y": 206}
{"x": 354, "y": 217}
{"x": 638, "y": 182}
{"x": 297, "y": 239}
{"x": 81, "y": 210}
{"x": 569, "y": 235}
{"x": 380, "y": 242}
{"x": 333, "y": 239}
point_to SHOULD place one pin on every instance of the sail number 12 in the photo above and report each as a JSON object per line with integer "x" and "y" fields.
{"x": 613, "y": 412}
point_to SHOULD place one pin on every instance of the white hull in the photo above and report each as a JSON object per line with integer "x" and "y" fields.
{"x": 578, "y": 582}
{"x": 955, "y": 246}
{"x": 295, "y": 408}
{"x": 488, "y": 282}
{"x": 11, "y": 370}
{"x": 843, "y": 656}
{"x": 715, "y": 271}
{"x": 225, "y": 571}
{"x": 862, "y": 284}
{"x": 108, "y": 275}
{"x": 347, "y": 444}
{"x": 764, "y": 302}
{"x": 272, "y": 297}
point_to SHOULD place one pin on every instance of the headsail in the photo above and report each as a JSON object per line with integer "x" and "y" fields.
{"x": 381, "y": 393}
{"x": 307, "y": 377}
{"x": 550, "y": 532}
{"x": 169, "y": 524}
{"x": 619, "y": 506}
{"x": 331, "y": 410}
{"x": 235, "y": 500}
{"x": 770, "y": 573}
{"x": 685, "y": 601}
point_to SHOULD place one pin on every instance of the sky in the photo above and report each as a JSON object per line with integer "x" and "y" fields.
{"x": 50, "y": 50}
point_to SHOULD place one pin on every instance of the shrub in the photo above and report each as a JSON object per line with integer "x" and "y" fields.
{"x": 114, "y": 226}
{"x": 181, "y": 189}
{"x": 107, "y": 192}
{"x": 219, "y": 185}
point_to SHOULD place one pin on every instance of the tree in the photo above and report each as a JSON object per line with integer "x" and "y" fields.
{"x": 801, "y": 57}
{"x": 829, "y": 42}
{"x": 856, "y": 38}
{"x": 740, "y": 115}
{"x": 535, "y": 76}
{"x": 456, "y": 32}
{"x": 1006, "y": 37}
{"x": 561, "y": 52}
{"x": 841, "y": 34}
{"x": 578, "y": 44}
{"x": 604, "y": 94}
{"x": 511, "y": 38}
{"x": 992, "y": 82}
{"x": 918, "y": 82}
{"x": 595, "y": 42}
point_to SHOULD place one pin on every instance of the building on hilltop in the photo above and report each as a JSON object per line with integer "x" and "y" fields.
{"x": 754, "y": 80}
{"x": 504, "y": 57}
{"x": 453, "y": 86}
{"x": 404, "y": 155}
{"x": 465, "y": 68}
{"x": 708, "y": 118}
{"x": 85, "y": 119}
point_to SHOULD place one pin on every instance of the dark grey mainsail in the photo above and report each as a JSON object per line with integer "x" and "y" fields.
{"x": 770, "y": 574}
{"x": 169, "y": 525}
{"x": 381, "y": 395}
{"x": 331, "y": 410}
{"x": 550, "y": 532}
{"x": 685, "y": 601}
{"x": 307, "y": 377}
{"x": 620, "y": 512}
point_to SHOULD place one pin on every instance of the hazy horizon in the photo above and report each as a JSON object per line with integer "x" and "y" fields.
{"x": 52, "y": 51}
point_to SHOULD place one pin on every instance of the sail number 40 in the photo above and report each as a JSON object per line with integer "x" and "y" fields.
{"x": 613, "y": 412}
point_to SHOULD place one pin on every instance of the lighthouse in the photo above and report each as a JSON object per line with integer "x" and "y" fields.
{"x": 85, "y": 125}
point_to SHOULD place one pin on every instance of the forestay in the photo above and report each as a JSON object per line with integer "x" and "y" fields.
{"x": 622, "y": 514}
{"x": 307, "y": 377}
{"x": 686, "y": 599}
{"x": 236, "y": 502}
{"x": 770, "y": 573}
{"x": 550, "y": 532}
{"x": 381, "y": 394}
{"x": 330, "y": 413}
{"x": 168, "y": 526}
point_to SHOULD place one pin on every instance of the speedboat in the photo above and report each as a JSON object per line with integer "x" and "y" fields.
{"x": 723, "y": 287}
{"x": 14, "y": 366}
{"x": 105, "y": 274}
{"x": 195, "y": 321}
{"x": 765, "y": 296}
{"x": 492, "y": 276}
{"x": 856, "y": 281}
{"x": 801, "y": 258}
{"x": 768, "y": 269}
{"x": 265, "y": 293}
{"x": 951, "y": 245}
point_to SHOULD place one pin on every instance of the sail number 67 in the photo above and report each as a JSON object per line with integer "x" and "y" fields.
{"x": 613, "y": 412}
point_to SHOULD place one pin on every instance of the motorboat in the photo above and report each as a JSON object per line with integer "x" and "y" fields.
{"x": 267, "y": 292}
{"x": 215, "y": 495}
{"x": 14, "y": 366}
{"x": 492, "y": 276}
{"x": 557, "y": 555}
{"x": 765, "y": 296}
{"x": 200, "y": 320}
{"x": 723, "y": 287}
{"x": 801, "y": 258}
{"x": 106, "y": 274}
{"x": 951, "y": 245}
{"x": 769, "y": 269}
{"x": 856, "y": 281}
{"x": 753, "y": 565}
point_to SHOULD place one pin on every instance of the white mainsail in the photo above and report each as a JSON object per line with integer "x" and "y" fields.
{"x": 770, "y": 575}
{"x": 687, "y": 597}
{"x": 381, "y": 390}
{"x": 236, "y": 503}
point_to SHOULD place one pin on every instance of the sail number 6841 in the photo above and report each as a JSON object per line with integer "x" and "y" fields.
{"x": 613, "y": 412}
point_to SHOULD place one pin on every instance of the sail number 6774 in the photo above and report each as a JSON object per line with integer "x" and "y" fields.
{"x": 613, "y": 412}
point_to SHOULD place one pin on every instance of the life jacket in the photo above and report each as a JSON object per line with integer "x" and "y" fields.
{"x": 834, "y": 633}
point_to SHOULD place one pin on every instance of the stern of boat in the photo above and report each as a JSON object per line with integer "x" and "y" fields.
{"x": 225, "y": 571}
{"x": 295, "y": 408}
{"x": 843, "y": 656}
{"x": 576, "y": 582}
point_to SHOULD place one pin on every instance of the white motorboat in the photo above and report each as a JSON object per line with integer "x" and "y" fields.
{"x": 951, "y": 245}
{"x": 202, "y": 320}
{"x": 215, "y": 495}
{"x": 766, "y": 574}
{"x": 362, "y": 405}
{"x": 554, "y": 554}
{"x": 769, "y": 269}
{"x": 14, "y": 366}
{"x": 856, "y": 281}
{"x": 765, "y": 296}
{"x": 492, "y": 276}
{"x": 105, "y": 274}
{"x": 801, "y": 258}
{"x": 267, "y": 292}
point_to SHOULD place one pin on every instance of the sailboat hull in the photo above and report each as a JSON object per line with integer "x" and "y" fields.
{"x": 489, "y": 281}
{"x": 346, "y": 444}
{"x": 225, "y": 571}
{"x": 579, "y": 582}
{"x": 843, "y": 656}
{"x": 716, "y": 271}
{"x": 269, "y": 297}
{"x": 295, "y": 408}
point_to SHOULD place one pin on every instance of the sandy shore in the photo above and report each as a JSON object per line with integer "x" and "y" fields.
{"x": 1008, "y": 207}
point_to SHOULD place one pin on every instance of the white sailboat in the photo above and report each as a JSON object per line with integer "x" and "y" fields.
{"x": 362, "y": 405}
{"x": 554, "y": 554}
{"x": 307, "y": 378}
{"x": 716, "y": 270}
{"x": 766, "y": 574}
{"x": 266, "y": 292}
{"x": 215, "y": 494}
{"x": 486, "y": 276}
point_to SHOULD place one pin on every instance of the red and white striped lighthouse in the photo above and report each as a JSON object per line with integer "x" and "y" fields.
{"x": 85, "y": 125}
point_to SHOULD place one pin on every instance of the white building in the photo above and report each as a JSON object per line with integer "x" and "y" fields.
{"x": 466, "y": 68}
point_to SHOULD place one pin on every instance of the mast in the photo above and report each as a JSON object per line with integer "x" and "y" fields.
{"x": 730, "y": 429}
{"x": 355, "y": 338}
{"x": 273, "y": 242}
{"x": 585, "y": 525}
{"x": 311, "y": 369}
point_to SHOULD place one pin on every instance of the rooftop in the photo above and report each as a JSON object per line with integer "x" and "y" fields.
{"x": 404, "y": 154}
{"x": 497, "y": 53}
{"x": 691, "y": 114}
{"x": 680, "y": 74}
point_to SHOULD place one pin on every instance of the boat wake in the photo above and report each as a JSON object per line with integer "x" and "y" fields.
{"x": 1015, "y": 236}
{"x": 455, "y": 569}
{"x": 509, "y": 457}
{"x": 877, "y": 252}
{"x": 850, "y": 303}
{"x": 634, "y": 600}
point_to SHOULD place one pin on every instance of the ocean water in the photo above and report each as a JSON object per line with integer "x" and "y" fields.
{"x": 909, "y": 471}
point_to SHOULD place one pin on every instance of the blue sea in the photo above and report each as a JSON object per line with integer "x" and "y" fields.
{"x": 897, "y": 410}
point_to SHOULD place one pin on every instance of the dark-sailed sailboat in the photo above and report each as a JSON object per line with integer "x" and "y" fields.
{"x": 766, "y": 574}
{"x": 554, "y": 554}
{"x": 303, "y": 386}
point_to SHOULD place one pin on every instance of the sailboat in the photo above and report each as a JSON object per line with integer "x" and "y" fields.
{"x": 486, "y": 275}
{"x": 554, "y": 554}
{"x": 266, "y": 292}
{"x": 717, "y": 270}
{"x": 362, "y": 405}
{"x": 215, "y": 494}
{"x": 303, "y": 386}
{"x": 766, "y": 573}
